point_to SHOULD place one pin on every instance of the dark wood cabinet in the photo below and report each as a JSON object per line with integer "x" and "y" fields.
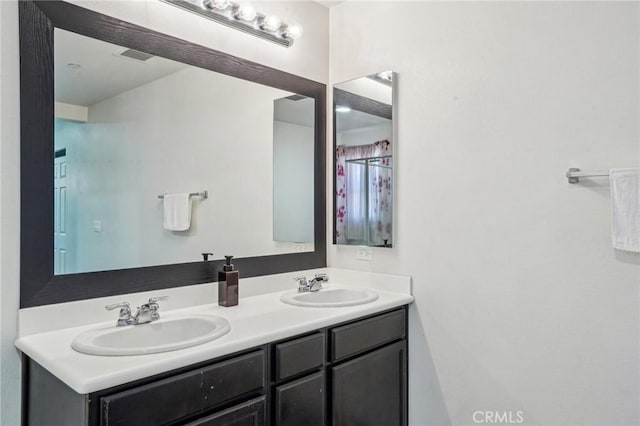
{"x": 299, "y": 393}
{"x": 250, "y": 413}
{"x": 349, "y": 374}
{"x": 360, "y": 336}
{"x": 182, "y": 395}
{"x": 371, "y": 389}
{"x": 299, "y": 356}
{"x": 301, "y": 402}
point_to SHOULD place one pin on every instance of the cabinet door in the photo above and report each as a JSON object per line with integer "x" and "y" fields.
{"x": 371, "y": 390}
{"x": 301, "y": 402}
{"x": 250, "y": 413}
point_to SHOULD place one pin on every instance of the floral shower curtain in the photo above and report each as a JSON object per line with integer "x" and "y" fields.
{"x": 352, "y": 214}
{"x": 380, "y": 206}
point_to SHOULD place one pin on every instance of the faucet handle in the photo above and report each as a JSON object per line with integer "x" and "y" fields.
{"x": 322, "y": 277}
{"x": 158, "y": 299}
{"x": 124, "y": 318}
{"x": 124, "y": 305}
{"x": 303, "y": 284}
{"x": 152, "y": 306}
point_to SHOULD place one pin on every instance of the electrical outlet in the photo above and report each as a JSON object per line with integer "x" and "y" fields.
{"x": 364, "y": 253}
{"x": 298, "y": 247}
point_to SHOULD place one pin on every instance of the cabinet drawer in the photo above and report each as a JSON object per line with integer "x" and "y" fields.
{"x": 367, "y": 334}
{"x": 167, "y": 400}
{"x": 250, "y": 413}
{"x": 299, "y": 356}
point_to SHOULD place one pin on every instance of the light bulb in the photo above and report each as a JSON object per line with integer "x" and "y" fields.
{"x": 217, "y": 4}
{"x": 271, "y": 23}
{"x": 293, "y": 31}
{"x": 386, "y": 75}
{"x": 246, "y": 12}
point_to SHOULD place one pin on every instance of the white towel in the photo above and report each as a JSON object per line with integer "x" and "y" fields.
{"x": 177, "y": 212}
{"x": 625, "y": 209}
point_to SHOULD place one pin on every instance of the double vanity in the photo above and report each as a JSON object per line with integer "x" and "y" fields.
{"x": 337, "y": 356}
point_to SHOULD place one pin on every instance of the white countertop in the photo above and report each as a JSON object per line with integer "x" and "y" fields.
{"x": 255, "y": 321}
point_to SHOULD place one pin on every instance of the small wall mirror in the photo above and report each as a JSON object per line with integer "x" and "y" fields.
{"x": 363, "y": 161}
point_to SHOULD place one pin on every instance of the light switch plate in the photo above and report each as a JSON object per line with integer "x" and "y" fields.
{"x": 364, "y": 253}
{"x": 97, "y": 226}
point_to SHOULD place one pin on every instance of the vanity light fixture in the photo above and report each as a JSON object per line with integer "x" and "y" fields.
{"x": 342, "y": 108}
{"x": 243, "y": 17}
{"x": 271, "y": 23}
{"x": 385, "y": 77}
{"x": 292, "y": 31}
{"x": 217, "y": 4}
{"x": 246, "y": 13}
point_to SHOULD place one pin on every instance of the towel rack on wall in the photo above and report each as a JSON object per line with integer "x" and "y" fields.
{"x": 203, "y": 194}
{"x": 574, "y": 174}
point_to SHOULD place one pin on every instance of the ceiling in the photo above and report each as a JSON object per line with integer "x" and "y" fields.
{"x": 300, "y": 112}
{"x": 98, "y": 61}
{"x": 353, "y": 119}
{"x": 329, "y": 4}
{"x": 98, "y": 72}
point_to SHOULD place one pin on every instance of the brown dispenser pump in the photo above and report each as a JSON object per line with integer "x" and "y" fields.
{"x": 228, "y": 284}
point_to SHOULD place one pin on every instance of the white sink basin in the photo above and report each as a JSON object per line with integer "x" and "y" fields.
{"x": 330, "y": 297}
{"x": 166, "y": 334}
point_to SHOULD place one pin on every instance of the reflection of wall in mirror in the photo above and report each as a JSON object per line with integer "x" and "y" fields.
{"x": 189, "y": 131}
{"x": 292, "y": 178}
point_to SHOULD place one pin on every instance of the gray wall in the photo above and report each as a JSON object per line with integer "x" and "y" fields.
{"x": 9, "y": 214}
{"x": 521, "y": 303}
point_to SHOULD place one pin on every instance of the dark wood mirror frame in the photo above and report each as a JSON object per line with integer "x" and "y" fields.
{"x": 38, "y": 284}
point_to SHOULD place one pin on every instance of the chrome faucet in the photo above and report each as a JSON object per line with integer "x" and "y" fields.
{"x": 125, "y": 313}
{"x": 312, "y": 285}
{"x": 145, "y": 313}
{"x": 149, "y": 311}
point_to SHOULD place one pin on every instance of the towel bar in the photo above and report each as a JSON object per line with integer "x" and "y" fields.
{"x": 574, "y": 174}
{"x": 203, "y": 194}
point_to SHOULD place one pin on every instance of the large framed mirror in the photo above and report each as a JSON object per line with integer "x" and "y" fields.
{"x": 141, "y": 154}
{"x": 363, "y": 161}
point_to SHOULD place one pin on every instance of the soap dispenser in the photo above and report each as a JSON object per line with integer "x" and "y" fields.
{"x": 228, "y": 284}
